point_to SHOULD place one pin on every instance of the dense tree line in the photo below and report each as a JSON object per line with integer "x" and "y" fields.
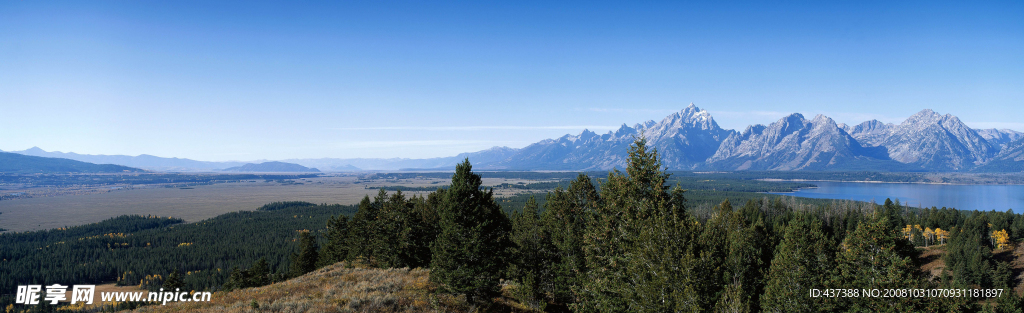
{"x": 145, "y": 250}
{"x": 630, "y": 243}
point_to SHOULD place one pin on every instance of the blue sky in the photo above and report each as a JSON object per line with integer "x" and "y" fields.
{"x": 274, "y": 80}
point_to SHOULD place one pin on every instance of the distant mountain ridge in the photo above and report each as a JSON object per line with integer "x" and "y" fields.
{"x": 272, "y": 167}
{"x": 1010, "y": 159}
{"x": 691, "y": 140}
{"x": 937, "y": 142}
{"x": 793, "y": 143}
{"x": 143, "y": 161}
{"x": 14, "y": 163}
{"x": 685, "y": 140}
{"x": 1000, "y": 137}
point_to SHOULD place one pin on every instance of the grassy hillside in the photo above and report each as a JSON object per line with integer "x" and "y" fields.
{"x": 26, "y": 164}
{"x": 334, "y": 288}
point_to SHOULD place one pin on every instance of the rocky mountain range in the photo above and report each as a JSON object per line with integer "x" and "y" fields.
{"x": 1000, "y": 138}
{"x": 685, "y": 140}
{"x": 692, "y": 140}
{"x": 793, "y": 143}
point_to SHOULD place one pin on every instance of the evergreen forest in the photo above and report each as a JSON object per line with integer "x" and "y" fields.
{"x": 631, "y": 241}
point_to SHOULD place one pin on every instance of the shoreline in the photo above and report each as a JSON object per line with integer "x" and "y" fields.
{"x": 881, "y": 182}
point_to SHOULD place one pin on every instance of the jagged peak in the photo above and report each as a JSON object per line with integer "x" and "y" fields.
{"x": 871, "y": 122}
{"x": 624, "y": 130}
{"x": 792, "y": 118}
{"x": 951, "y": 118}
{"x": 927, "y": 112}
{"x": 693, "y": 111}
{"x": 754, "y": 128}
{"x": 587, "y": 133}
{"x": 925, "y": 116}
{"x": 821, "y": 120}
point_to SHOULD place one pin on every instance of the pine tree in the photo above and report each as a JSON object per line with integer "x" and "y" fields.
{"x": 391, "y": 230}
{"x": 1009, "y": 302}
{"x": 337, "y": 246}
{"x": 1002, "y": 276}
{"x": 235, "y": 280}
{"x": 532, "y": 255}
{"x": 802, "y": 262}
{"x": 566, "y": 217}
{"x": 470, "y": 253}
{"x": 259, "y": 273}
{"x": 969, "y": 253}
{"x": 638, "y": 247}
{"x": 891, "y": 212}
{"x": 422, "y": 231}
{"x": 305, "y": 261}
{"x": 362, "y": 228}
{"x": 876, "y": 256}
{"x": 745, "y": 266}
{"x": 173, "y": 281}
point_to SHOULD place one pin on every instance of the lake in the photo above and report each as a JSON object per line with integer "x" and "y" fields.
{"x": 964, "y": 197}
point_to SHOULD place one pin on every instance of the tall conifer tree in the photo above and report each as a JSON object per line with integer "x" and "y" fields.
{"x": 875, "y": 256}
{"x": 566, "y": 217}
{"x": 470, "y": 253}
{"x": 638, "y": 248}
{"x": 305, "y": 261}
{"x": 337, "y": 246}
{"x": 802, "y": 261}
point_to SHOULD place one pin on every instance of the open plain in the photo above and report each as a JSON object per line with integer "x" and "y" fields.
{"x": 195, "y": 203}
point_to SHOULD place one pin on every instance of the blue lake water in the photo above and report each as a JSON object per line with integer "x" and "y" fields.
{"x": 964, "y": 197}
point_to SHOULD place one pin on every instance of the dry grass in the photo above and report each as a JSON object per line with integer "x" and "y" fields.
{"x": 333, "y": 289}
{"x": 199, "y": 202}
{"x": 196, "y": 204}
{"x": 1018, "y": 267}
{"x": 931, "y": 261}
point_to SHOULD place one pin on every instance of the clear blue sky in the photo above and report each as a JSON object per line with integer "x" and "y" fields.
{"x": 273, "y": 80}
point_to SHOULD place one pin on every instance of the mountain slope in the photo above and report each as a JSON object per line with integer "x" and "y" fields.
{"x": 871, "y": 133}
{"x": 1010, "y": 159}
{"x": 270, "y": 167}
{"x": 793, "y": 143}
{"x": 144, "y": 161}
{"x": 934, "y": 142}
{"x": 999, "y": 138}
{"x": 15, "y": 163}
{"x": 684, "y": 139}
